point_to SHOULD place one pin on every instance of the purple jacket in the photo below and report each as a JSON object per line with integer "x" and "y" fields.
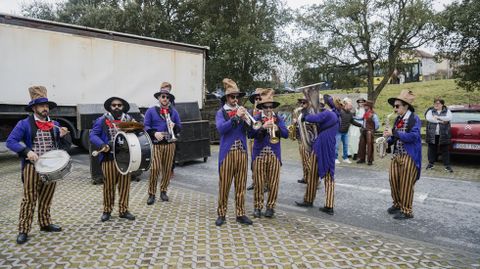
{"x": 262, "y": 138}
{"x": 25, "y": 131}
{"x": 324, "y": 145}
{"x": 411, "y": 139}
{"x": 230, "y": 129}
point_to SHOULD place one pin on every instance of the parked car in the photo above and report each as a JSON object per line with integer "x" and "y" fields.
{"x": 465, "y": 129}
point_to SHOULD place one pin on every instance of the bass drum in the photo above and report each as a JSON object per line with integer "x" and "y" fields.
{"x": 132, "y": 151}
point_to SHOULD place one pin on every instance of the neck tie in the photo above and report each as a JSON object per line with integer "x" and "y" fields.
{"x": 44, "y": 125}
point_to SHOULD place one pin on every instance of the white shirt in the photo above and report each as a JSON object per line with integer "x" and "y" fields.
{"x": 431, "y": 119}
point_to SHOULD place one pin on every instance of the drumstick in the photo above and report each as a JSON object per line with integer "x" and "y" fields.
{"x": 96, "y": 152}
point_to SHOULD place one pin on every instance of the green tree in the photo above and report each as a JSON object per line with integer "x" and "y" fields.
{"x": 363, "y": 33}
{"x": 460, "y": 41}
{"x": 242, "y": 34}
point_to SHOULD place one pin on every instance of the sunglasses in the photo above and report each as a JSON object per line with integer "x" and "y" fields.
{"x": 234, "y": 96}
{"x": 164, "y": 96}
{"x": 116, "y": 105}
{"x": 397, "y": 106}
{"x": 302, "y": 102}
{"x": 258, "y": 99}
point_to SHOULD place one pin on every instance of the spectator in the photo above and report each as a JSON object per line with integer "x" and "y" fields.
{"x": 369, "y": 125}
{"x": 354, "y": 131}
{"x": 438, "y": 133}
{"x": 346, "y": 119}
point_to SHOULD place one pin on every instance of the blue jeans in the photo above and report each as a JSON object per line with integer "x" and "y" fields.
{"x": 344, "y": 138}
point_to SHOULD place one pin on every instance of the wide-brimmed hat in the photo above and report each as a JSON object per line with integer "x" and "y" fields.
{"x": 258, "y": 91}
{"x": 361, "y": 100}
{"x": 369, "y": 103}
{"x": 230, "y": 88}
{"x": 406, "y": 96}
{"x": 108, "y": 103}
{"x": 267, "y": 98}
{"x": 38, "y": 94}
{"x": 165, "y": 88}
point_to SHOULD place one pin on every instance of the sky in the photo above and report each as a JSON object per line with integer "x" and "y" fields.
{"x": 13, "y": 6}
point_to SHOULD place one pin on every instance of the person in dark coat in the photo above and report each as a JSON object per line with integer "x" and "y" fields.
{"x": 30, "y": 139}
{"x": 438, "y": 133}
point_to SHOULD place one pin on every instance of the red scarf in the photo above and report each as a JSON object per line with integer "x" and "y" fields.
{"x": 400, "y": 124}
{"x": 265, "y": 119}
{"x": 368, "y": 114}
{"x": 232, "y": 113}
{"x": 44, "y": 125}
{"x": 164, "y": 111}
{"x": 110, "y": 124}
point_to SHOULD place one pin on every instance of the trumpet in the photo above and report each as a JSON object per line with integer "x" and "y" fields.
{"x": 381, "y": 142}
{"x": 250, "y": 120}
{"x": 170, "y": 128}
{"x": 271, "y": 131}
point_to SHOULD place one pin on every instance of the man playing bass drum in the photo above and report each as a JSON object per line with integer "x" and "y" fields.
{"x": 102, "y": 135}
{"x": 162, "y": 123}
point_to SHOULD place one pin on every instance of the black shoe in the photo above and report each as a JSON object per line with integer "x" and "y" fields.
{"x": 22, "y": 238}
{"x": 429, "y": 166}
{"x": 127, "y": 215}
{"x": 251, "y": 187}
{"x": 327, "y": 210}
{"x": 163, "y": 196}
{"x": 355, "y": 156}
{"x": 402, "y": 216}
{"x": 257, "y": 213}
{"x": 361, "y": 161}
{"x": 105, "y": 216}
{"x": 220, "y": 221}
{"x": 369, "y": 163}
{"x": 302, "y": 181}
{"x": 151, "y": 200}
{"x": 244, "y": 220}
{"x": 304, "y": 204}
{"x": 393, "y": 210}
{"x": 448, "y": 169}
{"x": 51, "y": 228}
{"x": 269, "y": 213}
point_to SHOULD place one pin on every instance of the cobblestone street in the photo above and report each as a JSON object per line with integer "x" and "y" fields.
{"x": 182, "y": 234}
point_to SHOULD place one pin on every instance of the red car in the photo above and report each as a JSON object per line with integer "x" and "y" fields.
{"x": 465, "y": 129}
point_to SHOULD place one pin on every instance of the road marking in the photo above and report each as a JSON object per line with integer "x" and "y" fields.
{"x": 448, "y": 201}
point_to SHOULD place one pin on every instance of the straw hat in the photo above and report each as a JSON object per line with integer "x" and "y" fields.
{"x": 267, "y": 98}
{"x": 38, "y": 95}
{"x": 406, "y": 96}
{"x": 230, "y": 88}
{"x": 165, "y": 88}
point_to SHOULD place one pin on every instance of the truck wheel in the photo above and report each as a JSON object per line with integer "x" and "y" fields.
{"x": 85, "y": 139}
{"x": 205, "y": 159}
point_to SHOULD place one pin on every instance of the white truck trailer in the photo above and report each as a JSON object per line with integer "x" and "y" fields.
{"x": 82, "y": 67}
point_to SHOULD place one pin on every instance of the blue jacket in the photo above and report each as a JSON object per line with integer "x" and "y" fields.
{"x": 324, "y": 145}
{"x": 100, "y": 137}
{"x": 411, "y": 139}
{"x": 230, "y": 129}
{"x": 262, "y": 138}
{"x": 25, "y": 132}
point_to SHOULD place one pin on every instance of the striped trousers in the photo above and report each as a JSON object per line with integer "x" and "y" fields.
{"x": 35, "y": 189}
{"x": 304, "y": 156}
{"x": 266, "y": 171}
{"x": 234, "y": 166}
{"x": 403, "y": 175}
{"x": 312, "y": 183}
{"x": 112, "y": 178}
{"x": 163, "y": 157}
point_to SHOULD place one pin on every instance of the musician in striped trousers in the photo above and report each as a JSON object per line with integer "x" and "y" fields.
{"x": 304, "y": 154}
{"x": 101, "y": 136}
{"x": 232, "y": 157}
{"x": 31, "y": 138}
{"x": 254, "y": 98}
{"x": 266, "y": 155}
{"x": 322, "y": 158}
{"x": 163, "y": 124}
{"x": 405, "y": 166}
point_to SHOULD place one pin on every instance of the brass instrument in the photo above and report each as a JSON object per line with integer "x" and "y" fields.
{"x": 250, "y": 120}
{"x": 308, "y": 131}
{"x": 170, "y": 128}
{"x": 271, "y": 131}
{"x": 381, "y": 142}
{"x": 292, "y": 128}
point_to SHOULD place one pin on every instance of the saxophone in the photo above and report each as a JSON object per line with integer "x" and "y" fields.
{"x": 381, "y": 142}
{"x": 292, "y": 128}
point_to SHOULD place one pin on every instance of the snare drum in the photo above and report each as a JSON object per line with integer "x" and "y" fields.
{"x": 132, "y": 151}
{"x": 53, "y": 165}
